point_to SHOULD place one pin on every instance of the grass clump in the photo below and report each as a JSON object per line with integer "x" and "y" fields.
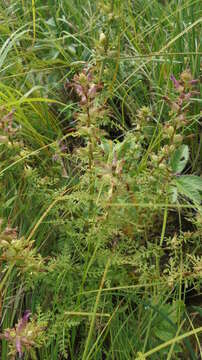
{"x": 100, "y": 179}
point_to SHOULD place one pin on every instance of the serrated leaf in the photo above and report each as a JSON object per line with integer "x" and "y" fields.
{"x": 173, "y": 194}
{"x": 179, "y": 159}
{"x": 195, "y": 181}
{"x": 190, "y": 186}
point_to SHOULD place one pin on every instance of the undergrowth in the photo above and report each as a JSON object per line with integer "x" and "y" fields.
{"x": 100, "y": 179}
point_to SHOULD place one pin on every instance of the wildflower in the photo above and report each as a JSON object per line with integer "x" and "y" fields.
{"x": 92, "y": 90}
{"x": 184, "y": 87}
{"x": 17, "y": 336}
{"x": 19, "y": 252}
{"x": 55, "y": 157}
{"x": 168, "y": 131}
{"x": 6, "y": 124}
{"x": 193, "y": 81}
{"x": 84, "y": 86}
{"x": 185, "y": 97}
{"x": 24, "y": 336}
{"x": 175, "y": 82}
{"x": 186, "y": 76}
{"x": 177, "y": 138}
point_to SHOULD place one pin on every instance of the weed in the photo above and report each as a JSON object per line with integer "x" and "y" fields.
{"x": 100, "y": 180}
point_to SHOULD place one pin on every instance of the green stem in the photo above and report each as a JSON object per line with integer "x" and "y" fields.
{"x": 164, "y": 222}
{"x": 90, "y": 154}
{"x": 170, "y": 342}
{"x": 6, "y": 277}
{"x": 85, "y": 354}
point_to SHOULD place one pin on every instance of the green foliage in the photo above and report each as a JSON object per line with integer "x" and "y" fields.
{"x": 180, "y": 159}
{"x": 100, "y": 180}
{"x": 190, "y": 186}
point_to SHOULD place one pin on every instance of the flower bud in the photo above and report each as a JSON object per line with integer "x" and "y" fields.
{"x": 170, "y": 130}
{"x": 172, "y": 148}
{"x": 174, "y": 106}
{"x": 82, "y": 79}
{"x": 162, "y": 166}
{"x": 165, "y": 150}
{"x": 102, "y": 39}
{"x": 177, "y": 138}
{"x": 186, "y": 76}
{"x": 154, "y": 157}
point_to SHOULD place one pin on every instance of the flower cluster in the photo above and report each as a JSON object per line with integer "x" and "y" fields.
{"x": 172, "y": 130}
{"x": 84, "y": 86}
{"x": 19, "y": 252}
{"x": 92, "y": 114}
{"x": 184, "y": 88}
{"x": 7, "y": 127}
{"x": 24, "y": 336}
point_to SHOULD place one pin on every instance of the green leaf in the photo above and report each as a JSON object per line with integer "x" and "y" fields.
{"x": 173, "y": 194}
{"x": 190, "y": 186}
{"x": 51, "y": 22}
{"x": 198, "y": 309}
{"x": 163, "y": 334}
{"x": 179, "y": 159}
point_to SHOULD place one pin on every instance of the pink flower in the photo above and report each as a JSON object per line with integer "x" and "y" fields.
{"x": 92, "y": 91}
{"x": 23, "y": 322}
{"x": 18, "y": 346}
{"x": 175, "y": 82}
{"x": 193, "y": 82}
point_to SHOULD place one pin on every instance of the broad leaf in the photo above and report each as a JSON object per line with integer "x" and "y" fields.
{"x": 173, "y": 194}
{"x": 190, "y": 186}
{"x": 179, "y": 159}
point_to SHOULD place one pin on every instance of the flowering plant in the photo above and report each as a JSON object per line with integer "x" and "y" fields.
{"x": 24, "y": 336}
